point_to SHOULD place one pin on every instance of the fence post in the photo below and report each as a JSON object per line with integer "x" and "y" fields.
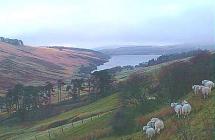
{"x": 62, "y": 130}
{"x": 49, "y": 134}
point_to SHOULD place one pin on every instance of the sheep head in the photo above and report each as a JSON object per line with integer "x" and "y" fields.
{"x": 173, "y": 104}
{"x": 193, "y": 87}
{"x": 145, "y": 128}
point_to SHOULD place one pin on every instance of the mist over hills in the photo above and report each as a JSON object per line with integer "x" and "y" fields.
{"x": 156, "y": 50}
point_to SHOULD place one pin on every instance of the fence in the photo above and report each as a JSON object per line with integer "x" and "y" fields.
{"x": 62, "y": 131}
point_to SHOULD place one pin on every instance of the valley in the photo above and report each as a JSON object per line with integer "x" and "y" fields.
{"x": 93, "y": 117}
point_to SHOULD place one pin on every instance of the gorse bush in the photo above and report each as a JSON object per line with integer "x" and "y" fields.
{"x": 123, "y": 121}
{"x": 175, "y": 80}
{"x": 136, "y": 87}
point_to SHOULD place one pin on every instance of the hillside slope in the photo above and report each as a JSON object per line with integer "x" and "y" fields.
{"x": 33, "y": 65}
{"x": 199, "y": 124}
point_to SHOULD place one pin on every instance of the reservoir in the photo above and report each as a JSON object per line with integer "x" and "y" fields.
{"x": 123, "y": 60}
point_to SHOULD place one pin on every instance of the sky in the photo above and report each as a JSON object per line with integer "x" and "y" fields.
{"x": 97, "y": 23}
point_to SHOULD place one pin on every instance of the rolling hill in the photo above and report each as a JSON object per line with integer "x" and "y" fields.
{"x": 36, "y": 65}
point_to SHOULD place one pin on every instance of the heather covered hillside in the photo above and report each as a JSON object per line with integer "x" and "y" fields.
{"x": 36, "y": 65}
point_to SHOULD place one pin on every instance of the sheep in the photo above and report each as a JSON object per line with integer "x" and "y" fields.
{"x": 150, "y": 132}
{"x": 159, "y": 125}
{"x": 154, "y": 119}
{"x": 196, "y": 89}
{"x": 151, "y": 124}
{"x": 209, "y": 84}
{"x": 205, "y": 91}
{"x": 156, "y": 123}
{"x": 186, "y": 108}
{"x": 177, "y": 108}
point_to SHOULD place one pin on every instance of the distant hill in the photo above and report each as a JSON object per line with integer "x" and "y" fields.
{"x": 37, "y": 65}
{"x": 156, "y": 50}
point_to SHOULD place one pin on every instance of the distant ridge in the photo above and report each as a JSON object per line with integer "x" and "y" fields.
{"x": 153, "y": 50}
{"x": 15, "y": 42}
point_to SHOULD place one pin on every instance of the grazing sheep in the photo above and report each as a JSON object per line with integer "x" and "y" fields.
{"x": 159, "y": 125}
{"x": 196, "y": 89}
{"x": 186, "y": 108}
{"x": 156, "y": 123}
{"x": 205, "y": 91}
{"x": 209, "y": 84}
{"x": 177, "y": 108}
{"x": 150, "y": 132}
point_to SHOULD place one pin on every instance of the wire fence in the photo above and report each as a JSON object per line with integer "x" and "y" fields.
{"x": 63, "y": 130}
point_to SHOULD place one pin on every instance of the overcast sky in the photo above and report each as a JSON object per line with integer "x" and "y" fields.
{"x": 95, "y": 23}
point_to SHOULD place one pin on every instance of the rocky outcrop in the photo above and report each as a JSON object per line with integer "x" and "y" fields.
{"x": 12, "y": 41}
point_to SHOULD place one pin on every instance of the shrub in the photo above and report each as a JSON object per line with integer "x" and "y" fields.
{"x": 177, "y": 78}
{"x": 123, "y": 122}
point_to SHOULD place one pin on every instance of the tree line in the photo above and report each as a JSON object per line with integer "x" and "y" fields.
{"x": 171, "y": 57}
{"x": 25, "y": 101}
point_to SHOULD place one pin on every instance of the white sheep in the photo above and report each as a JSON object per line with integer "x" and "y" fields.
{"x": 205, "y": 91}
{"x": 150, "y": 132}
{"x": 155, "y": 119}
{"x": 209, "y": 84}
{"x": 196, "y": 89}
{"x": 186, "y": 108}
{"x": 177, "y": 108}
{"x": 159, "y": 125}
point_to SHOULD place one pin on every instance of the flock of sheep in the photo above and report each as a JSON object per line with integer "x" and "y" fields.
{"x": 181, "y": 109}
{"x": 204, "y": 89}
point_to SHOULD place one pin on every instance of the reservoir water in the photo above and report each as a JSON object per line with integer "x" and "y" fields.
{"x": 123, "y": 60}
